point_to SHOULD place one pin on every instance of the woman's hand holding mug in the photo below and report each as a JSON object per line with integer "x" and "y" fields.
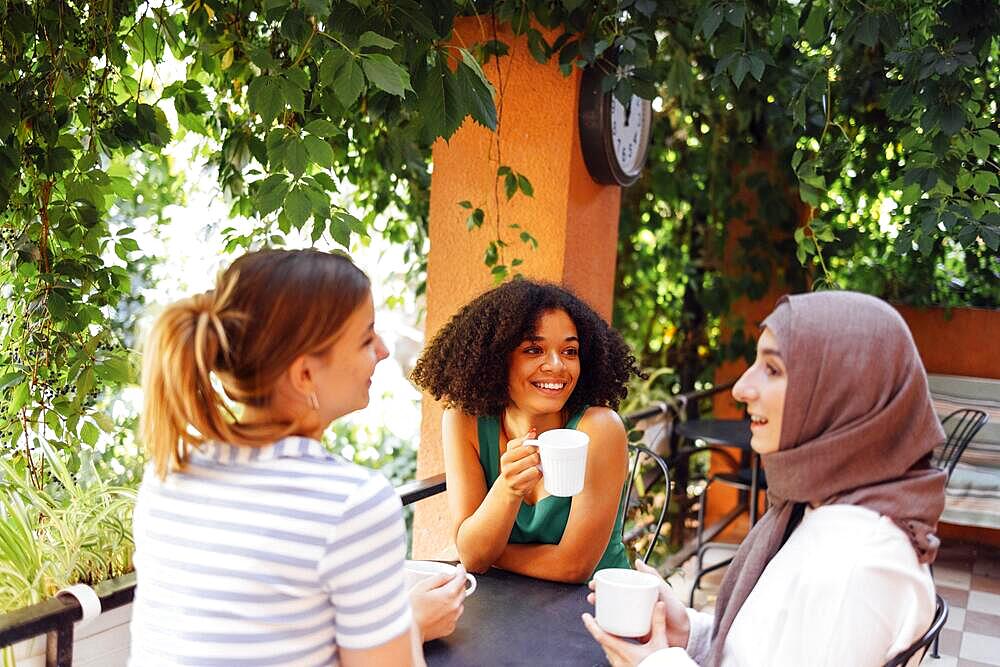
{"x": 519, "y": 466}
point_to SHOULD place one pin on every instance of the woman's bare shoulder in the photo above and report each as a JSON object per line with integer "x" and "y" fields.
{"x": 457, "y": 417}
{"x": 461, "y": 425}
{"x": 602, "y": 422}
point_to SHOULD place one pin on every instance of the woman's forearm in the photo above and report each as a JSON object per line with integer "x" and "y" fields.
{"x": 482, "y": 537}
{"x": 545, "y": 561}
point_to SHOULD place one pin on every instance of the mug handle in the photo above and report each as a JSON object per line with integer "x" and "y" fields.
{"x": 472, "y": 584}
{"x": 537, "y": 444}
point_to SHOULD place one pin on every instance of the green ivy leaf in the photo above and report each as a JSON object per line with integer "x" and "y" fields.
{"x": 340, "y": 231}
{"x": 332, "y": 63}
{"x": 385, "y": 74}
{"x": 525, "y": 185}
{"x": 510, "y": 185}
{"x": 711, "y": 19}
{"x": 322, "y": 128}
{"x": 296, "y": 157}
{"x": 376, "y": 40}
{"x": 475, "y": 219}
{"x": 983, "y": 181}
{"x": 292, "y": 94}
{"x": 478, "y": 97}
{"x": 538, "y": 47}
{"x": 867, "y": 31}
{"x": 952, "y": 119}
{"x": 981, "y": 148}
{"x": 490, "y": 258}
{"x": 470, "y": 61}
{"x": 735, "y": 14}
{"x": 740, "y": 70}
{"x": 990, "y": 236}
{"x": 298, "y": 208}
{"x": 815, "y": 27}
{"x": 319, "y": 151}
{"x": 18, "y": 398}
{"x": 295, "y": 26}
{"x": 349, "y": 84}
{"x": 318, "y": 8}
{"x": 964, "y": 180}
{"x": 115, "y": 369}
{"x": 271, "y": 193}
{"x": 911, "y": 194}
{"x": 441, "y": 102}
{"x": 264, "y": 96}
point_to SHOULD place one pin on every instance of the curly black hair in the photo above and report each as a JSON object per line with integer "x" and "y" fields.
{"x": 466, "y": 364}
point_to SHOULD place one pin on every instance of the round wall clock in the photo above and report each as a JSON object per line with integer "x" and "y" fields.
{"x": 614, "y": 137}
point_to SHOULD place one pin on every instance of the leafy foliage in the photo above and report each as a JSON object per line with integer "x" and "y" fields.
{"x": 855, "y": 143}
{"x": 293, "y": 102}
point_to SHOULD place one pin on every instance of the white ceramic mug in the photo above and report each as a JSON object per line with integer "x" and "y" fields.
{"x": 564, "y": 460}
{"x": 624, "y": 601}
{"x": 418, "y": 570}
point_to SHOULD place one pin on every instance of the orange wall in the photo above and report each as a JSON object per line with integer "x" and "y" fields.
{"x": 962, "y": 341}
{"x": 574, "y": 219}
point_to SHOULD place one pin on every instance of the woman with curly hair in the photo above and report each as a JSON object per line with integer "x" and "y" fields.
{"x": 519, "y": 360}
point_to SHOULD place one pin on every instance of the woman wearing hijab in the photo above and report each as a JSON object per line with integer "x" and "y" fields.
{"x": 837, "y": 571}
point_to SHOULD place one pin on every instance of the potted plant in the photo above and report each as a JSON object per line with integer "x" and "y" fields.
{"x": 76, "y": 528}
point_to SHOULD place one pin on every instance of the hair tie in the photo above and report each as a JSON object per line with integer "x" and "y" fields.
{"x": 206, "y": 307}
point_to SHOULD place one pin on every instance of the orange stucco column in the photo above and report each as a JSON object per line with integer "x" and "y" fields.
{"x": 574, "y": 220}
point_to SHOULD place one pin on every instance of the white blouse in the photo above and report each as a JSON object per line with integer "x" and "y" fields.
{"x": 845, "y": 589}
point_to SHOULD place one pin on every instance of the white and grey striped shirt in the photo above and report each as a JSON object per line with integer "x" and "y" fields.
{"x": 266, "y": 556}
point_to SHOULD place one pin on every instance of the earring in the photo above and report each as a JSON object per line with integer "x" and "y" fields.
{"x": 313, "y": 401}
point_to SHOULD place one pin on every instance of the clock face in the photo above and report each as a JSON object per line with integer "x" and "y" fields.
{"x": 630, "y": 133}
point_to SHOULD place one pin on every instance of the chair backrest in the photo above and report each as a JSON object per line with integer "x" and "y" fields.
{"x": 920, "y": 646}
{"x": 961, "y": 426}
{"x": 646, "y": 471}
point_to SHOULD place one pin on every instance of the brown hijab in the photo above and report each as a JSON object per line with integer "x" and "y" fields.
{"x": 858, "y": 428}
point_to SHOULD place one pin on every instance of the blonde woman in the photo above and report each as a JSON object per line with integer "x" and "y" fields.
{"x": 254, "y": 545}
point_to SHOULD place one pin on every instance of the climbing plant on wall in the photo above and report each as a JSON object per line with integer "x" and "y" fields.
{"x": 857, "y": 142}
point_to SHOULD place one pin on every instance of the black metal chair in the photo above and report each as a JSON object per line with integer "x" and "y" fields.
{"x": 746, "y": 476}
{"x": 961, "y": 426}
{"x": 920, "y": 646}
{"x": 640, "y": 479}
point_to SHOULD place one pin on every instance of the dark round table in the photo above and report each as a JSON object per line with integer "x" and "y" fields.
{"x": 515, "y": 620}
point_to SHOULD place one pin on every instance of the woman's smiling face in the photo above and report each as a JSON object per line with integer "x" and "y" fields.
{"x": 545, "y": 367}
{"x": 762, "y": 388}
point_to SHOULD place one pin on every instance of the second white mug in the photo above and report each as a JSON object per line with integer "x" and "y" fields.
{"x": 418, "y": 570}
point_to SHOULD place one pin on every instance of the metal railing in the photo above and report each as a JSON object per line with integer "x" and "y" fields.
{"x": 55, "y": 617}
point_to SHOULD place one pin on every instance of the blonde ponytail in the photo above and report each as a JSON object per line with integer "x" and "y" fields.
{"x": 181, "y": 408}
{"x": 269, "y": 307}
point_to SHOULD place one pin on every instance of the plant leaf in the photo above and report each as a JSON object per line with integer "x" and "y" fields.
{"x": 370, "y": 38}
{"x": 385, "y": 74}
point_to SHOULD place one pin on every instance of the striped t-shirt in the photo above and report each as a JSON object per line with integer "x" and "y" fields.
{"x": 266, "y": 556}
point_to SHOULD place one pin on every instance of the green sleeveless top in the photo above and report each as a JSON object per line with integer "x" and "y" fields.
{"x": 545, "y": 521}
